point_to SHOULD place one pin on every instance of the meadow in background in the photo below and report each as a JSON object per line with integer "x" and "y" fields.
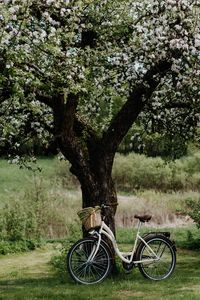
{"x": 38, "y": 206}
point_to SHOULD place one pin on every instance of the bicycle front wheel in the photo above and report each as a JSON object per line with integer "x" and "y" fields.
{"x": 89, "y": 271}
{"x": 158, "y": 256}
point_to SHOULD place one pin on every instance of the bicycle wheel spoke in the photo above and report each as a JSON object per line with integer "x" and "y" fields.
{"x": 79, "y": 267}
{"x": 163, "y": 265}
{"x": 96, "y": 270}
{"x": 79, "y": 272}
{"x": 99, "y": 267}
{"x": 84, "y": 270}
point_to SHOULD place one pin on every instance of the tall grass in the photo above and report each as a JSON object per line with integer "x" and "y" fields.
{"x": 34, "y": 206}
{"x": 134, "y": 172}
{"x": 167, "y": 209}
{"x": 45, "y": 204}
{"x": 46, "y": 210}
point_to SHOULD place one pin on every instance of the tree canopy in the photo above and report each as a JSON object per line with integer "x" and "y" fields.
{"x": 82, "y": 72}
{"x": 103, "y": 52}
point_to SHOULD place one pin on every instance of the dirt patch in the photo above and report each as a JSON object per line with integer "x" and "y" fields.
{"x": 162, "y": 215}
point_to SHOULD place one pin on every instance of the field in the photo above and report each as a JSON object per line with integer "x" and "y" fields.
{"x": 62, "y": 193}
{"x": 58, "y": 196}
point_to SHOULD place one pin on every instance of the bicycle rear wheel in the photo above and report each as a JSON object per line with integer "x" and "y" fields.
{"x": 161, "y": 268}
{"x": 84, "y": 271}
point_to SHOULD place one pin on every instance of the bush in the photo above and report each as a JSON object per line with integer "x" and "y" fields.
{"x": 190, "y": 242}
{"x": 18, "y": 222}
{"x": 19, "y": 230}
{"x": 59, "y": 261}
{"x": 191, "y": 164}
{"x": 193, "y": 211}
{"x": 8, "y": 247}
{"x": 42, "y": 213}
{"x": 135, "y": 171}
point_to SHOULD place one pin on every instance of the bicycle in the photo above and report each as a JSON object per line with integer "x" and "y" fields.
{"x": 90, "y": 259}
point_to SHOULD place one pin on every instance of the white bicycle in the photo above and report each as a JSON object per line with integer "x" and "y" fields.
{"x": 90, "y": 259}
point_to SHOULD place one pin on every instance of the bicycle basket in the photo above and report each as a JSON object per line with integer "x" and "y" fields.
{"x": 90, "y": 217}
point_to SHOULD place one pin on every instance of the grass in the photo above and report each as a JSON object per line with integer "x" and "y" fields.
{"x": 40, "y": 194}
{"x": 30, "y": 264}
{"x": 30, "y": 276}
{"x": 14, "y": 180}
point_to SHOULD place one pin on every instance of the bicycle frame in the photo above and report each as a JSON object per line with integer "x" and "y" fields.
{"x": 124, "y": 256}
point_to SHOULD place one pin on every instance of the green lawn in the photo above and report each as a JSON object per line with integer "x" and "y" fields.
{"x": 14, "y": 181}
{"x": 29, "y": 276}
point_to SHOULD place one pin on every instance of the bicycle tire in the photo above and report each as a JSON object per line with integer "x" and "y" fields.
{"x": 164, "y": 267}
{"x": 93, "y": 272}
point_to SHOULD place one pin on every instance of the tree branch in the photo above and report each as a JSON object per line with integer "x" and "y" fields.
{"x": 70, "y": 113}
{"x": 133, "y": 106}
{"x": 83, "y": 128}
{"x": 46, "y": 99}
{"x": 36, "y": 68}
{"x": 66, "y": 124}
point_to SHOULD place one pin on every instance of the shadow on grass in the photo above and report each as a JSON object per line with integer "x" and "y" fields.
{"x": 34, "y": 282}
{"x": 52, "y": 288}
{"x": 37, "y": 288}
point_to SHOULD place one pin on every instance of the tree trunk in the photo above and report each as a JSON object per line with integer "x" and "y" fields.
{"x": 98, "y": 196}
{"x": 103, "y": 193}
{"x": 99, "y": 190}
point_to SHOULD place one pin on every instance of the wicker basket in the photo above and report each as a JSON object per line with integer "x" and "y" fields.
{"x": 90, "y": 217}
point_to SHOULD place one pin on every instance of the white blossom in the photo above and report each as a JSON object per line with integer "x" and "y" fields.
{"x": 172, "y": 2}
{"x": 197, "y": 40}
{"x": 178, "y": 44}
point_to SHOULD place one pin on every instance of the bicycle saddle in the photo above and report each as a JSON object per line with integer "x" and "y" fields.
{"x": 144, "y": 218}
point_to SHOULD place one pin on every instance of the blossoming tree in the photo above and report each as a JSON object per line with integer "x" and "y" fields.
{"x": 81, "y": 71}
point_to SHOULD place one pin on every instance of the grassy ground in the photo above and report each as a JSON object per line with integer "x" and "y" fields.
{"x": 30, "y": 276}
{"x": 14, "y": 181}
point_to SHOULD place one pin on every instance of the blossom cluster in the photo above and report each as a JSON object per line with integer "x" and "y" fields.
{"x": 99, "y": 49}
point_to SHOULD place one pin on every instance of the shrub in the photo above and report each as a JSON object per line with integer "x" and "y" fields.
{"x": 18, "y": 222}
{"x": 59, "y": 261}
{"x": 42, "y": 213}
{"x": 8, "y": 247}
{"x": 191, "y": 164}
{"x": 193, "y": 211}
{"x": 136, "y": 171}
{"x": 191, "y": 241}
